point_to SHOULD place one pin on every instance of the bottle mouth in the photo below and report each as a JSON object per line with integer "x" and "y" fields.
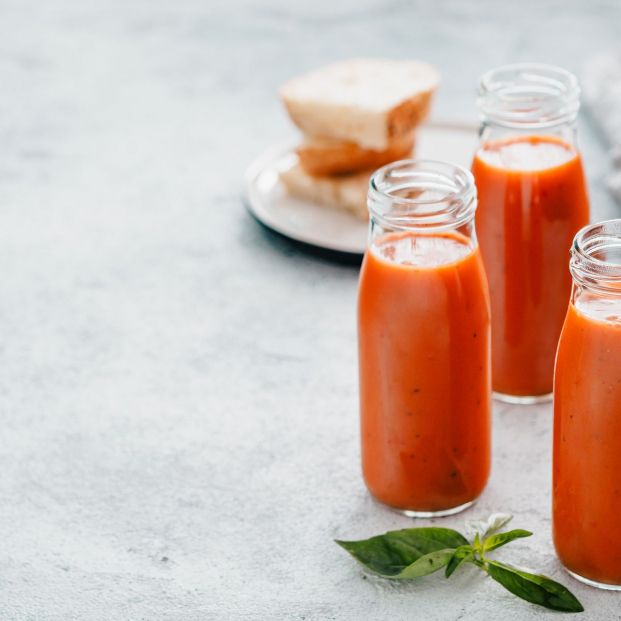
{"x": 529, "y": 95}
{"x": 596, "y": 256}
{"x": 422, "y": 194}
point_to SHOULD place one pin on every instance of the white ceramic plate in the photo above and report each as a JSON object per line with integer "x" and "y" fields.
{"x": 326, "y": 227}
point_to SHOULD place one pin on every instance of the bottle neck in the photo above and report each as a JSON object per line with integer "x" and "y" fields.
{"x": 528, "y": 99}
{"x": 422, "y": 197}
{"x": 565, "y": 132}
{"x": 380, "y": 231}
{"x": 595, "y": 263}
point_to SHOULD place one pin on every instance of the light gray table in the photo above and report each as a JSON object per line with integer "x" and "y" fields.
{"x": 178, "y": 389}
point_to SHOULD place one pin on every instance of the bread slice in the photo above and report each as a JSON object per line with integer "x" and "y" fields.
{"x": 369, "y": 102}
{"x": 324, "y": 156}
{"x": 348, "y": 192}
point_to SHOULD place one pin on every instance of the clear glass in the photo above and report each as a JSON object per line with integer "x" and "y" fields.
{"x": 586, "y": 501}
{"x": 424, "y": 342}
{"x": 532, "y": 201}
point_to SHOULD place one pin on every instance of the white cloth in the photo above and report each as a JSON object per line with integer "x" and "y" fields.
{"x": 601, "y": 84}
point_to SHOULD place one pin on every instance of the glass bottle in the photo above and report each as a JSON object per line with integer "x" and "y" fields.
{"x": 424, "y": 342}
{"x": 586, "y": 504}
{"x": 532, "y": 201}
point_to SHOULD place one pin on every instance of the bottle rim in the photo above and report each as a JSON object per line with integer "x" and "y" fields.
{"x": 415, "y": 193}
{"x": 528, "y": 96}
{"x": 596, "y": 256}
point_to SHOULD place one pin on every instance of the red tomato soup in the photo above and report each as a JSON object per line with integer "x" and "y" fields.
{"x": 587, "y": 441}
{"x": 532, "y": 201}
{"x": 424, "y": 332}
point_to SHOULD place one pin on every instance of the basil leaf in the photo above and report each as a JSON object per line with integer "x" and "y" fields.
{"x": 406, "y": 553}
{"x": 495, "y": 541}
{"x": 533, "y": 588}
{"x": 426, "y": 564}
{"x": 463, "y": 553}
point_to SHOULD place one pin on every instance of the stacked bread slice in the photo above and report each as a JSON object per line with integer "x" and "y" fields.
{"x": 356, "y": 115}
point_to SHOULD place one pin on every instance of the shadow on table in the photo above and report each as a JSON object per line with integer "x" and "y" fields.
{"x": 288, "y": 245}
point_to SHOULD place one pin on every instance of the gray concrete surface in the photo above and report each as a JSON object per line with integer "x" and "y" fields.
{"x": 178, "y": 386}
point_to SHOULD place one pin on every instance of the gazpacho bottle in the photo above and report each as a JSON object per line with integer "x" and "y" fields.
{"x": 424, "y": 342}
{"x": 586, "y": 504}
{"x": 532, "y": 201}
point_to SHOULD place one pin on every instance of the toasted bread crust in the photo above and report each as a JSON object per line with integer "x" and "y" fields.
{"x": 335, "y": 157}
{"x": 369, "y": 102}
{"x": 408, "y": 115}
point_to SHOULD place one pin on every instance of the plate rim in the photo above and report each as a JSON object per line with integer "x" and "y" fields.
{"x": 274, "y": 151}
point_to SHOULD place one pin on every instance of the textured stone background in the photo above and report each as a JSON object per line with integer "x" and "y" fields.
{"x": 178, "y": 386}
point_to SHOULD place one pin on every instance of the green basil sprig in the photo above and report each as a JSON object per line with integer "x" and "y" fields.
{"x": 414, "y": 552}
